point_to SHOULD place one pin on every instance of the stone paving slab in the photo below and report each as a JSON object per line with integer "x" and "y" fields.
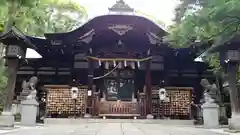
{"x": 113, "y": 129}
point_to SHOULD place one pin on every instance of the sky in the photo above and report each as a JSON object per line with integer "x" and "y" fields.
{"x": 161, "y": 9}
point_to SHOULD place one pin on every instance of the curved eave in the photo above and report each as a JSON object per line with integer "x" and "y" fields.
{"x": 103, "y": 17}
{"x": 86, "y": 26}
{"x": 13, "y": 36}
{"x": 39, "y": 42}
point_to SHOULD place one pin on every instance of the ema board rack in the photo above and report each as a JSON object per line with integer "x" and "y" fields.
{"x": 60, "y": 104}
{"x": 179, "y": 105}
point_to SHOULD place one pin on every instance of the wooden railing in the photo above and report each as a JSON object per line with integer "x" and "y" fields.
{"x": 118, "y": 108}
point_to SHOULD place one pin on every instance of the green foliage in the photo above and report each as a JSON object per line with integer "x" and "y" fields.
{"x": 215, "y": 20}
{"x": 36, "y": 17}
{"x": 214, "y": 63}
{"x": 205, "y": 20}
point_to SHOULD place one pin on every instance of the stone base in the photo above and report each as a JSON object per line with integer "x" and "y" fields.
{"x": 150, "y": 116}
{"x": 7, "y": 120}
{"x": 29, "y": 112}
{"x": 234, "y": 122}
{"x": 210, "y": 115}
{"x": 87, "y": 116}
{"x": 231, "y": 131}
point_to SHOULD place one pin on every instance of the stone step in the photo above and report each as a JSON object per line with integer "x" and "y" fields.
{"x": 21, "y": 97}
{"x": 147, "y": 121}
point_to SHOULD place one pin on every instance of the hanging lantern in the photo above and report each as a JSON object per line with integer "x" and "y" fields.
{"x": 74, "y": 92}
{"x": 125, "y": 63}
{"x": 99, "y": 62}
{"x": 148, "y": 52}
{"x": 120, "y": 65}
{"x": 138, "y": 64}
{"x": 107, "y": 65}
{"x": 133, "y": 65}
{"x": 90, "y": 50}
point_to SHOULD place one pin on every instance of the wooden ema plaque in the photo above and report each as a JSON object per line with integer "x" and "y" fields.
{"x": 60, "y": 103}
{"x": 179, "y": 106}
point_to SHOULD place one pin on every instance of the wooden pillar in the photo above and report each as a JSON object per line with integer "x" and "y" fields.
{"x": 90, "y": 74}
{"x": 90, "y": 87}
{"x": 148, "y": 87}
{"x": 93, "y": 102}
{"x": 12, "y": 65}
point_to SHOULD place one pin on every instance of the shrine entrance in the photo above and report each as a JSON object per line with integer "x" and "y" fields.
{"x": 116, "y": 62}
{"x": 118, "y": 91}
{"x": 119, "y": 85}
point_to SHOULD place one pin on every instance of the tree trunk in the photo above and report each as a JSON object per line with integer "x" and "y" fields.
{"x": 234, "y": 97}
{"x": 12, "y": 65}
{"x": 234, "y": 93}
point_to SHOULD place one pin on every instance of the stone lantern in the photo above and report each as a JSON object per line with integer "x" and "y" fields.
{"x": 16, "y": 45}
{"x": 229, "y": 55}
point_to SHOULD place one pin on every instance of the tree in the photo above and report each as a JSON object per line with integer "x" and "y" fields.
{"x": 36, "y": 17}
{"x": 205, "y": 20}
{"x": 3, "y": 83}
{"x": 40, "y": 16}
{"x": 55, "y": 17}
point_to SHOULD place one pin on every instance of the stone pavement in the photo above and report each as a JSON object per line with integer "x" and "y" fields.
{"x": 112, "y": 129}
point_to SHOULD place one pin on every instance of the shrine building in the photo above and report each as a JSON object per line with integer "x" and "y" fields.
{"x": 118, "y": 62}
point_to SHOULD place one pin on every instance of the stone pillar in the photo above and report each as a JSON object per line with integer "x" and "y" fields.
{"x": 210, "y": 115}
{"x": 29, "y": 110}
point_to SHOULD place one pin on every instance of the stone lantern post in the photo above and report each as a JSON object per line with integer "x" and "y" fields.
{"x": 16, "y": 46}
